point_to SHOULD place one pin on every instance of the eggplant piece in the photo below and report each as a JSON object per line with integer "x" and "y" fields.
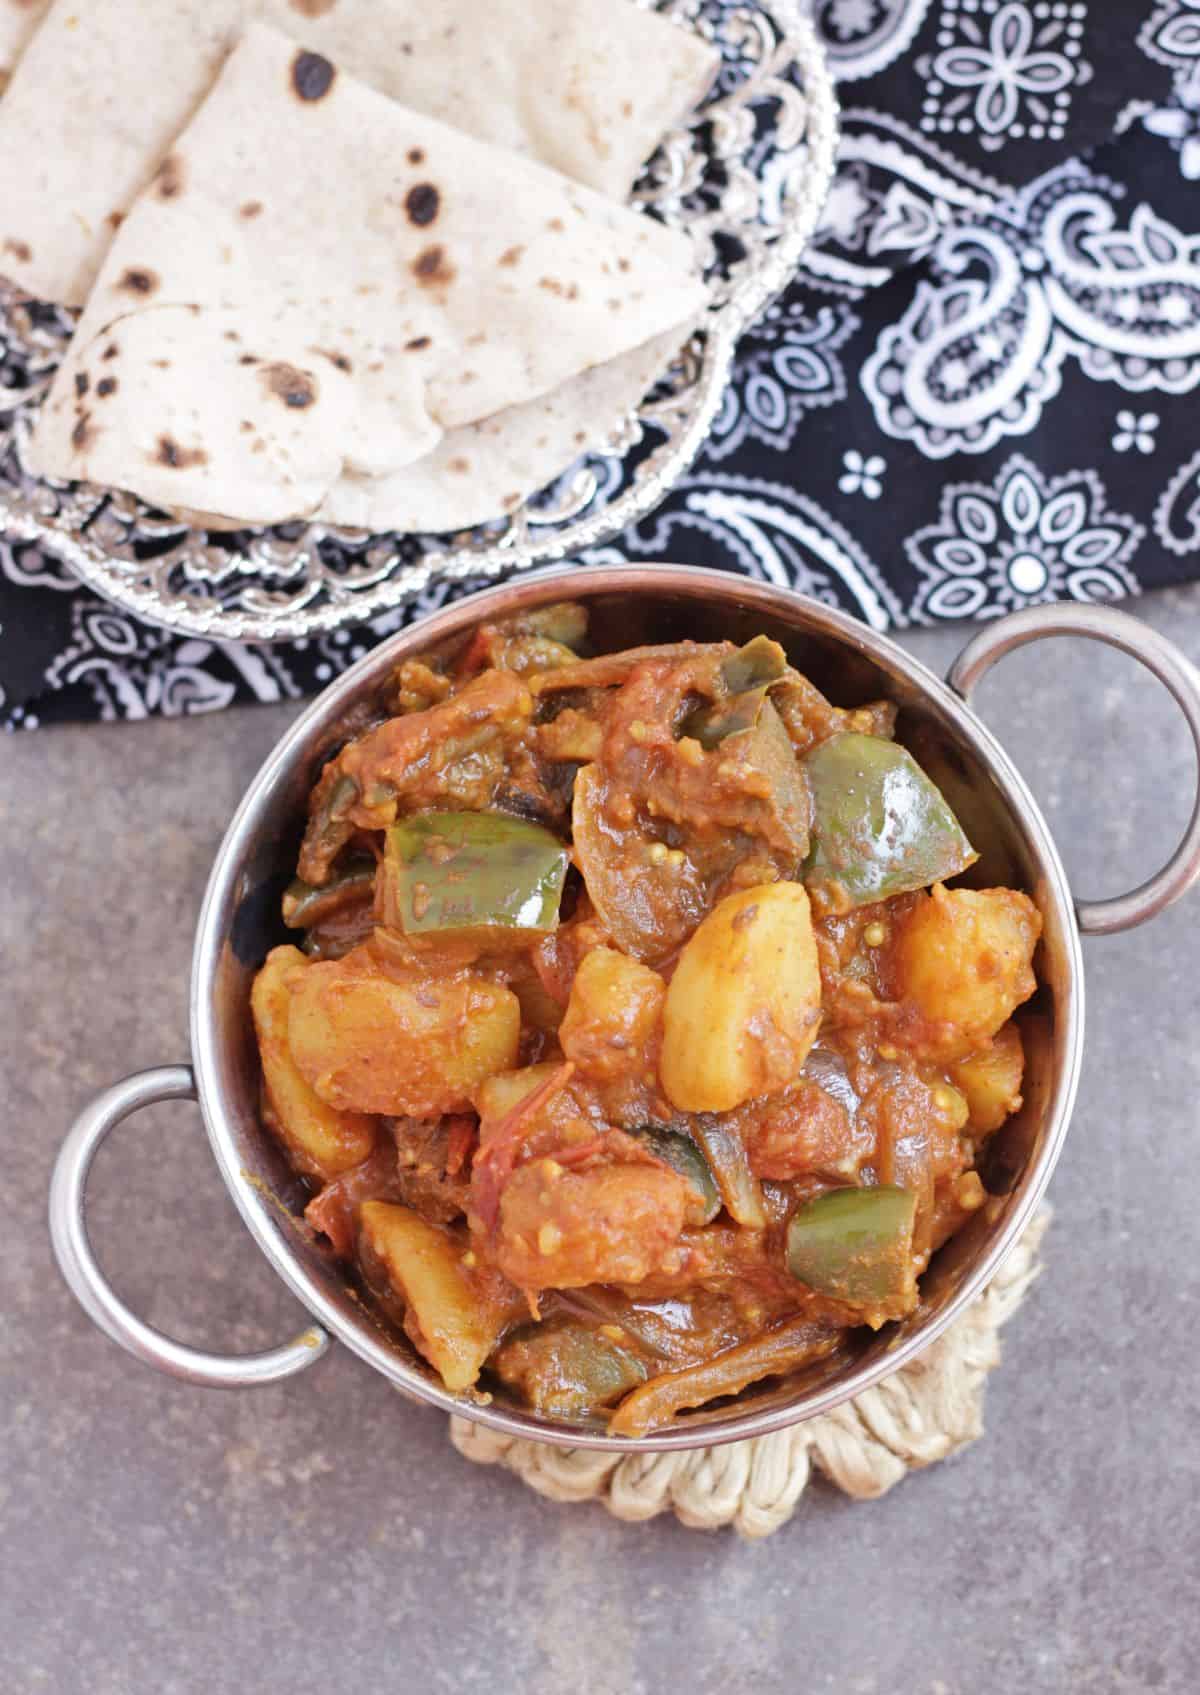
{"x": 793, "y": 1343}
{"x": 565, "y": 1368}
{"x": 746, "y": 676}
{"x": 856, "y": 1246}
{"x": 678, "y": 1151}
{"x": 648, "y": 905}
{"x": 729, "y": 1163}
{"x": 306, "y": 904}
{"x": 564, "y": 623}
{"x": 481, "y": 873}
{"x": 880, "y": 827}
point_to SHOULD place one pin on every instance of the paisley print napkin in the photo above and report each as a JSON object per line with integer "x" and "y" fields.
{"x": 977, "y": 394}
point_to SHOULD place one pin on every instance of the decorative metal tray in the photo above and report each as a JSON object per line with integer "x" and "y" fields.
{"x": 747, "y": 178}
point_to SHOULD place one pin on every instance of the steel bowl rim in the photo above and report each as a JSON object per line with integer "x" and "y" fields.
{"x": 698, "y": 583}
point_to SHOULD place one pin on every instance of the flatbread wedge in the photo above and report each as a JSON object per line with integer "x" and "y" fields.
{"x": 588, "y": 86}
{"x": 484, "y": 470}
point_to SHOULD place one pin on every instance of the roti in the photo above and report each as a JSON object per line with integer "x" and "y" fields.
{"x": 18, "y": 20}
{"x": 257, "y": 338}
{"x": 103, "y": 89}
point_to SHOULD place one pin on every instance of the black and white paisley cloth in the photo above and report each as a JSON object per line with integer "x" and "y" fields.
{"x": 980, "y": 392}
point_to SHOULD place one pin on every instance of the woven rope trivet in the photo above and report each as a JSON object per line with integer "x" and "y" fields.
{"x": 923, "y": 1414}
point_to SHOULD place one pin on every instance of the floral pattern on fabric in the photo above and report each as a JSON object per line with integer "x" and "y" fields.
{"x": 1021, "y": 541}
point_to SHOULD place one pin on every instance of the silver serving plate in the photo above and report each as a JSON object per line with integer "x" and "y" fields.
{"x": 747, "y": 179}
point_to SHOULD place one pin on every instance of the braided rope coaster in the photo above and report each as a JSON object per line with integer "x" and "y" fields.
{"x": 921, "y": 1415}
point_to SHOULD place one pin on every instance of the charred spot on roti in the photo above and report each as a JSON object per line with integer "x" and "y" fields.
{"x": 246, "y": 426}
{"x": 312, "y": 75}
{"x": 169, "y": 179}
{"x": 622, "y": 264}
{"x": 338, "y": 360}
{"x": 137, "y": 279}
{"x": 418, "y": 344}
{"x": 168, "y": 452}
{"x": 232, "y": 335}
{"x": 313, "y": 8}
{"x": 19, "y": 249}
{"x": 106, "y": 386}
{"x": 248, "y": 359}
{"x": 250, "y": 209}
{"x": 431, "y": 267}
{"x": 511, "y": 256}
{"x": 627, "y": 108}
{"x": 111, "y": 351}
{"x": 296, "y": 388}
{"x": 478, "y": 339}
{"x": 161, "y": 364}
{"x": 556, "y": 224}
{"x": 114, "y": 220}
{"x": 580, "y": 437}
{"x": 421, "y": 203}
{"x": 416, "y": 155}
{"x": 81, "y": 383}
{"x": 563, "y": 290}
{"x": 510, "y": 502}
{"x": 469, "y": 377}
{"x": 83, "y": 435}
{"x": 459, "y": 465}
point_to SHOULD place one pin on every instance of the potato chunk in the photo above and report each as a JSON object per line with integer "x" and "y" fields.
{"x": 611, "y": 1024}
{"x": 743, "y": 1007}
{"x": 562, "y": 1229}
{"x": 991, "y": 1080}
{"x": 368, "y": 1041}
{"x": 453, "y": 1316}
{"x": 964, "y": 957}
{"x": 321, "y": 1140}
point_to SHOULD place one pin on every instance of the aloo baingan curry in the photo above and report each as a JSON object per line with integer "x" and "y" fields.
{"x": 635, "y": 1047}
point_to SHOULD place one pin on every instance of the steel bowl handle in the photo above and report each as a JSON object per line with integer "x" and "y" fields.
{"x": 1116, "y": 629}
{"x": 73, "y": 1250}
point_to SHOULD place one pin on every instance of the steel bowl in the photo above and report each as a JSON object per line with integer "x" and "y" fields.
{"x": 239, "y": 922}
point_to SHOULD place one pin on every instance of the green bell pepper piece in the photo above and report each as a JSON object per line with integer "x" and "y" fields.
{"x": 855, "y": 1245}
{"x": 682, "y": 1155}
{"x": 450, "y": 872}
{"x": 880, "y": 827}
{"x": 746, "y": 677}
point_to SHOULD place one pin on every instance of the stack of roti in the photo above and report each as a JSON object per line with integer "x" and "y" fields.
{"x": 327, "y": 270}
{"x": 329, "y": 304}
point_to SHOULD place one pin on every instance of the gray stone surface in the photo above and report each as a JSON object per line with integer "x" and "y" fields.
{"x": 163, "y": 1540}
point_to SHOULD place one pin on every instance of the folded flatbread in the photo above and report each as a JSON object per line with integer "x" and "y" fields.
{"x": 588, "y": 86}
{"x": 484, "y": 470}
{"x": 18, "y": 20}
{"x": 320, "y": 285}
